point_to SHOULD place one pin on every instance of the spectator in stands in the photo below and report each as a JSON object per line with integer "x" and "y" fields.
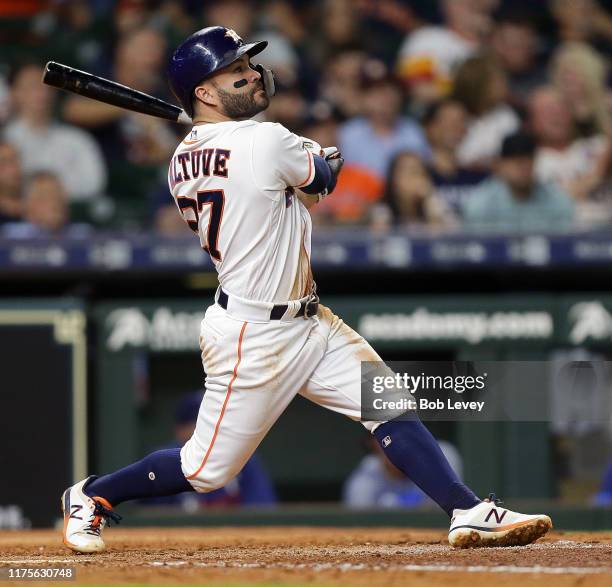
{"x": 576, "y": 165}
{"x": 410, "y": 196}
{"x": 604, "y": 496}
{"x": 11, "y": 183}
{"x": 286, "y": 17}
{"x": 288, "y": 107}
{"x": 341, "y": 82}
{"x": 251, "y": 487}
{"x": 131, "y": 15}
{"x": 515, "y": 44}
{"x": 234, "y": 14}
{"x": 580, "y": 74}
{"x": 240, "y": 15}
{"x": 513, "y": 200}
{"x": 355, "y": 194}
{"x": 445, "y": 124}
{"x": 47, "y": 145}
{"x": 338, "y": 27}
{"x": 388, "y": 22}
{"x": 177, "y": 21}
{"x": 46, "y": 204}
{"x": 371, "y": 141}
{"x": 480, "y": 85}
{"x": 77, "y": 37}
{"x": 127, "y": 136}
{"x": 376, "y": 482}
{"x": 429, "y": 55}
{"x": 45, "y": 211}
{"x": 583, "y": 21}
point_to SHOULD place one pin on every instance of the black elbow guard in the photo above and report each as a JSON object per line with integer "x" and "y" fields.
{"x": 322, "y": 178}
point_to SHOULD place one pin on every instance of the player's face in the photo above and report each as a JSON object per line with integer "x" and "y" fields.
{"x": 242, "y": 102}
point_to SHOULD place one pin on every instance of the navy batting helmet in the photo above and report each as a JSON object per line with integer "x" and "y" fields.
{"x": 203, "y": 53}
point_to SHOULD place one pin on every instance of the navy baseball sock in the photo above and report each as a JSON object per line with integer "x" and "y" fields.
{"x": 156, "y": 475}
{"x": 415, "y": 452}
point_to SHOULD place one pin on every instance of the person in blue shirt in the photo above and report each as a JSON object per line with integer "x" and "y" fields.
{"x": 251, "y": 487}
{"x": 604, "y": 497}
{"x": 512, "y": 200}
{"x": 445, "y": 123}
{"x": 377, "y": 483}
{"x": 372, "y": 140}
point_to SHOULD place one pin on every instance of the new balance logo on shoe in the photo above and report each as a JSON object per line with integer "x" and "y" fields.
{"x": 74, "y": 510}
{"x": 498, "y": 518}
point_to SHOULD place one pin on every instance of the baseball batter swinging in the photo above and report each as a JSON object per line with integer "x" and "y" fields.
{"x": 244, "y": 187}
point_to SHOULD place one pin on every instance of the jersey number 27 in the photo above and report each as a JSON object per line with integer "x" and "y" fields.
{"x": 216, "y": 200}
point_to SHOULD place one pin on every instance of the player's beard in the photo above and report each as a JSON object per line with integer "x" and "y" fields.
{"x": 243, "y": 106}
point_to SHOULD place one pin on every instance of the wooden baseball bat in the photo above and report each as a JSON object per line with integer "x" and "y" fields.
{"x": 104, "y": 90}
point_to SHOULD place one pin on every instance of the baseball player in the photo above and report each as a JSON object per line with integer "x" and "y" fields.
{"x": 244, "y": 187}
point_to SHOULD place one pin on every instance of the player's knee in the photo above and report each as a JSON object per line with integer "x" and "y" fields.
{"x": 210, "y": 479}
{"x": 206, "y": 472}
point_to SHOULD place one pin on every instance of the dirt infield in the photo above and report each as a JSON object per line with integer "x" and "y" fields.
{"x": 315, "y": 556}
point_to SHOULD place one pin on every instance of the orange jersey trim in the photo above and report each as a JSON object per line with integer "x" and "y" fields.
{"x": 299, "y": 185}
{"x": 227, "y": 396}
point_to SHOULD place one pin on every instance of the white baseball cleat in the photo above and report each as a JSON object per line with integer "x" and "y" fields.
{"x": 84, "y": 518}
{"x": 487, "y": 524}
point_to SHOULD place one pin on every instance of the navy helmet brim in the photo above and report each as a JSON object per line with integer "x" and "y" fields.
{"x": 249, "y": 49}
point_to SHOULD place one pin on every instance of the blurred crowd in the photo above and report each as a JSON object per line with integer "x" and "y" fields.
{"x": 477, "y": 115}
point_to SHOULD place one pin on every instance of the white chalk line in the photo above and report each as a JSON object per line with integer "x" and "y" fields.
{"x": 45, "y": 561}
{"x": 511, "y": 569}
{"x": 537, "y": 569}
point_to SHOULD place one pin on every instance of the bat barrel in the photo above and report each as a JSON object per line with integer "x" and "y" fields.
{"x": 86, "y": 84}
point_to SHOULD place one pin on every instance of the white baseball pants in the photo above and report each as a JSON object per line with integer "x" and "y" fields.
{"x": 254, "y": 368}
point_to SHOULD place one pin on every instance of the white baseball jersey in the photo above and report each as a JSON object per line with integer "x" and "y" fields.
{"x": 229, "y": 181}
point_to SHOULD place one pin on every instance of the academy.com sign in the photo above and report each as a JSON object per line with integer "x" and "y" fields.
{"x": 164, "y": 330}
{"x": 471, "y": 327}
{"x": 589, "y": 320}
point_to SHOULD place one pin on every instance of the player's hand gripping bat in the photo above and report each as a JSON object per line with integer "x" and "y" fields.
{"x": 104, "y": 90}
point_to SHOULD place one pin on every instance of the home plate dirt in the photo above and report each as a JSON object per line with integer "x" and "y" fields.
{"x": 315, "y": 556}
